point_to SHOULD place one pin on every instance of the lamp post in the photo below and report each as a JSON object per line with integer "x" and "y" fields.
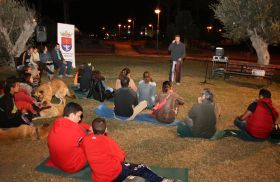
{"x": 129, "y": 21}
{"x": 128, "y": 29}
{"x": 157, "y": 11}
{"x": 150, "y": 25}
{"x": 119, "y": 25}
{"x": 209, "y": 28}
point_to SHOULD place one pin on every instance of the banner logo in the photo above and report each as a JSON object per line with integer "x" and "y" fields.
{"x": 66, "y": 41}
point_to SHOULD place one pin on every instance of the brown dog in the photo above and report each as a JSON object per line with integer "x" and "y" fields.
{"x": 55, "y": 111}
{"x": 25, "y": 131}
{"x": 57, "y": 88}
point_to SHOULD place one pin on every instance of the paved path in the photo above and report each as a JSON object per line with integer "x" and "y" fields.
{"x": 125, "y": 49}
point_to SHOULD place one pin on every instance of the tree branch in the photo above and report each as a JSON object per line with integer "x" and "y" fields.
{"x": 12, "y": 25}
{"x": 6, "y": 36}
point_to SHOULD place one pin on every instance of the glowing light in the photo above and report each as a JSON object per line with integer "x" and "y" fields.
{"x": 157, "y": 11}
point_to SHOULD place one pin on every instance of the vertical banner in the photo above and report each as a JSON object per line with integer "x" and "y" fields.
{"x": 66, "y": 39}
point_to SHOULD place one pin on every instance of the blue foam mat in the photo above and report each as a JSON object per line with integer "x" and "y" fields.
{"x": 103, "y": 111}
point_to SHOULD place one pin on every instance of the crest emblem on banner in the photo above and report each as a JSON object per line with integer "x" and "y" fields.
{"x": 66, "y": 41}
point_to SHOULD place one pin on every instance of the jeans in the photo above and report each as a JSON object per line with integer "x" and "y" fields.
{"x": 62, "y": 67}
{"x": 51, "y": 68}
{"x": 69, "y": 67}
{"x": 129, "y": 169}
{"x": 240, "y": 124}
{"x": 184, "y": 130}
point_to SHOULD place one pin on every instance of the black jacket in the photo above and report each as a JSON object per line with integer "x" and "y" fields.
{"x": 6, "y": 108}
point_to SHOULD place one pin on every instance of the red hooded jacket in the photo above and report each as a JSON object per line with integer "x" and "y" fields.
{"x": 64, "y": 145}
{"x": 104, "y": 156}
{"x": 260, "y": 123}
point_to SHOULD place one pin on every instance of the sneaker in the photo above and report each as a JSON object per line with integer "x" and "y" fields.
{"x": 178, "y": 83}
{"x": 26, "y": 120}
{"x": 60, "y": 76}
{"x": 69, "y": 76}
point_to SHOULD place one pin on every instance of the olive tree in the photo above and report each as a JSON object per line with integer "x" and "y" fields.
{"x": 258, "y": 20}
{"x": 16, "y": 27}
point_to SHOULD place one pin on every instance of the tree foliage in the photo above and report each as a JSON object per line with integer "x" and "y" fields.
{"x": 258, "y": 20}
{"x": 242, "y": 18}
{"x": 16, "y": 26}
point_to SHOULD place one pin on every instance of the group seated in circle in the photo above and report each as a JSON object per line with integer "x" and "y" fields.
{"x": 90, "y": 144}
{"x": 201, "y": 120}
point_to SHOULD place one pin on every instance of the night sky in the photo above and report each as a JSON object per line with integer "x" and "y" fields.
{"x": 91, "y": 15}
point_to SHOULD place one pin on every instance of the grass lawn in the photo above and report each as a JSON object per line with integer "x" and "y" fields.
{"x": 229, "y": 159}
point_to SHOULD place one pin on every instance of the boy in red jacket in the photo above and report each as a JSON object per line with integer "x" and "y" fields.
{"x": 64, "y": 140}
{"x": 106, "y": 158}
{"x": 259, "y": 117}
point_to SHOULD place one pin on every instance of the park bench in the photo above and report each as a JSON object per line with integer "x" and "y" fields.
{"x": 251, "y": 70}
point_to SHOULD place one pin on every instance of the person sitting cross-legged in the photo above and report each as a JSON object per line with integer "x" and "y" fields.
{"x": 167, "y": 104}
{"x": 126, "y": 101}
{"x": 147, "y": 89}
{"x": 107, "y": 160}
{"x": 201, "y": 119}
{"x": 257, "y": 120}
{"x": 125, "y": 73}
{"x": 64, "y": 140}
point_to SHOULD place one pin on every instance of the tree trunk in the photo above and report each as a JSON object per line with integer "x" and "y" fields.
{"x": 15, "y": 49}
{"x": 261, "y": 48}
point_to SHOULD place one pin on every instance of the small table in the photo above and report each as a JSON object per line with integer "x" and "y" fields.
{"x": 219, "y": 65}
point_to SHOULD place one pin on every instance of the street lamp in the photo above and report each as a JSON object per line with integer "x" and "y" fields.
{"x": 150, "y": 25}
{"x": 128, "y": 29}
{"x": 129, "y": 21}
{"x": 119, "y": 25}
{"x": 209, "y": 28}
{"x": 157, "y": 11}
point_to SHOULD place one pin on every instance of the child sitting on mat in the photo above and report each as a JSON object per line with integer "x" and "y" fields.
{"x": 64, "y": 140}
{"x": 107, "y": 159}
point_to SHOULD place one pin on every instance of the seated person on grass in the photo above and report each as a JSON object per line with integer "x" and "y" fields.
{"x": 98, "y": 88}
{"x": 35, "y": 75}
{"x": 201, "y": 119}
{"x": 257, "y": 120}
{"x": 107, "y": 159}
{"x": 10, "y": 116}
{"x": 64, "y": 140}
{"x": 84, "y": 77}
{"x": 27, "y": 104}
{"x": 167, "y": 104}
{"x": 26, "y": 84}
{"x": 125, "y": 73}
{"x": 126, "y": 101}
{"x": 46, "y": 63}
{"x": 147, "y": 89}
